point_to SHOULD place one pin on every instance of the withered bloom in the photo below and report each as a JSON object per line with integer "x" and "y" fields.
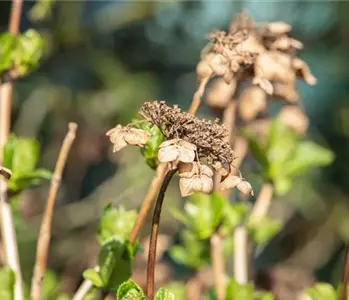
{"x": 123, "y": 136}
{"x": 176, "y": 150}
{"x": 240, "y": 183}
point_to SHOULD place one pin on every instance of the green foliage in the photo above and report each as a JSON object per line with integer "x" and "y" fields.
{"x": 21, "y": 156}
{"x": 116, "y": 223}
{"x": 51, "y": 288}
{"x": 164, "y": 294}
{"x": 151, "y": 148}
{"x": 177, "y": 288}
{"x": 7, "y": 282}
{"x": 236, "y": 291}
{"x": 21, "y": 53}
{"x": 130, "y": 290}
{"x": 41, "y": 10}
{"x": 282, "y": 156}
{"x": 263, "y": 230}
{"x": 322, "y": 291}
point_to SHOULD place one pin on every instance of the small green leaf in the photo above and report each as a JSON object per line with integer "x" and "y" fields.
{"x": 237, "y": 291}
{"x": 28, "y": 180}
{"x": 177, "y": 288}
{"x": 9, "y": 149}
{"x": 114, "y": 260}
{"x": 233, "y": 216}
{"x": 282, "y": 185}
{"x": 41, "y": 10}
{"x": 322, "y": 291}
{"x": 25, "y": 156}
{"x": 7, "y": 282}
{"x": 116, "y": 224}
{"x": 93, "y": 276}
{"x": 130, "y": 290}
{"x": 257, "y": 149}
{"x": 263, "y": 230}
{"x": 7, "y": 43}
{"x": 163, "y": 294}
{"x": 307, "y": 154}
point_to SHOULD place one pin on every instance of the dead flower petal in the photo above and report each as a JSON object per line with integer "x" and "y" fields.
{"x": 205, "y": 170}
{"x": 136, "y": 136}
{"x": 294, "y": 118}
{"x": 252, "y": 102}
{"x": 206, "y": 185}
{"x": 119, "y": 143}
{"x": 168, "y": 154}
{"x": 186, "y": 186}
{"x": 187, "y": 170}
{"x": 187, "y": 145}
{"x": 230, "y": 182}
{"x": 279, "y": 27}
{"x": 264, "y": 84}
{"x": 186, "y": 155}
{"x": 245, "y": 187}
{"x": 168, "y": 143}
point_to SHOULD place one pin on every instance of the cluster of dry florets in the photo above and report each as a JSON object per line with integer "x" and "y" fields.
{"x": 194, "y": 146}
{"x": 255, "y": 63}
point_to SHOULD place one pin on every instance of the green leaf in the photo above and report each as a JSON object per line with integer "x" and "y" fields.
{"x": 177, "y": 288}
{"x": 282, "y": 185}
{"x": 322, "y": 291}
{"x": 233, "y": 216}
{"x": 28, "y": 180}
{"x": 7, "y": 43}
{"x": 93, "y": 276}
{"x": 307, "y": 154}
{"x": 41, "y": 10}
{"x": 163, "y": 294}
{"x": 50, "y": 286}
{"x": 9, "y": 149}
{"x": 263, "y": 230}
{"x": 29, "y": 49}
{"x": 237, "y": 291}
{"x": 7, "y": 282}
{"x": 116, "y": 224}
{"x": 130, "y": 290}
{"x": 114, "y": 260}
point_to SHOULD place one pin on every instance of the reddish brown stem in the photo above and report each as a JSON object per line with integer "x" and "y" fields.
{"x": 345, "y": 276}
{"x": 45, "y": 230}
{"x": 154, "y": 235}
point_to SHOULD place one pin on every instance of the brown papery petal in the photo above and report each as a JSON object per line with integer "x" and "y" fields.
{"x": 187, "y": 145}
{"x": 169, "y": 153}
{"x": 204, "y": 70}
{"x": 169, "y": 143}
{"x": 186, "y": 155}
{"x": 186, "y": 186}
{"x": 253, "y": 101}
{"x": 245, "y": 187}
{"x": 114, "y": 131}
{"x": 294, "y": 118}
{"x": 304, "y": 71}
{"x": 206, "y": 184}
{"x": 205, "y": 170}
{"x": 119, "y": 143}
{"x": 230, "y": 182}
{"x": 279, "y": 27}
{"x": 220, "y": 93}
{"x": 287, "y": 92}
{"x": 218, "y": 63}
{"x": 187, "y": 170}
{"x": 264, "y": 84}
{"x": 135, "y": 136}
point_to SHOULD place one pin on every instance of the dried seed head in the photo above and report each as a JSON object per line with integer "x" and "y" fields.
{"x": 123, "y": 136}
{"x": 294, "y": 118}
{"x": 252, "y": 101}
{"x": 198, "y": 179}
{"x": 220, "y": 93}
{"x": 286, "y": 92}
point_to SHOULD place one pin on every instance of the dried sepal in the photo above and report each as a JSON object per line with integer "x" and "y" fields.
{"x": 264, "y": 84}
{"x": 194, "y": 178}
{"x": 294, "y": 118}
{"x": 123, "y": 136}
{"x": 176, "y": 150}
{"x": 287, "y": 92}
{"x": 279, "y": 27}
{"x": 220, "y": 92}
{"x": 252, "y": 101}
{"x": 285, "y": 43}
{"x": 220, "y": 169}
{"x": 240, "y": 183}
{"x": 7, "y": 173}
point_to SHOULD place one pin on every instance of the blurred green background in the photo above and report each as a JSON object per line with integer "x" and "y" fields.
{"x": 103, "y": 59}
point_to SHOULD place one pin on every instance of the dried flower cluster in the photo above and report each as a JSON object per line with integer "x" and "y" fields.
{"x": 263, "y": 58}
{"x": 192, "y": 145}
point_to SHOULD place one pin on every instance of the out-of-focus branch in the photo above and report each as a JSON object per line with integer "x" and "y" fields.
{"x": 262, "y": 205}
{"x": 218, "y": 266}
{"x": 45, "y": 230}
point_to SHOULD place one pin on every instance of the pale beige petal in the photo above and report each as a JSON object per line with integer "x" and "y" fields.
{"x": 186, "y": 186}
{"x": 114, "y": 131}
{"x": 169, "y": 153}
{"x": 206, "y": 184}
{"x": 187, "y": 145}
{"x": 279, "y": 27}
{"x": 245, "y": 187}
{"x": 230, "y": 182}
{"x": 168, "y": 143}
{"x": 205, "y": 170}
{"x": 119, "y": 143}
{"x": 186, "y": 155}
{"x": 137, "y": 137}
{"x": 187, "y": 170}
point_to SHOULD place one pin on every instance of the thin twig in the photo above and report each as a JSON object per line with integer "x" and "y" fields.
{"x": 197, "y": 97}
{"x": 218, "y": 266}
{"x": 154, "y": 235}
{"x": 148, "y": 201}
{"x": 345, "y": 276}
{"x": 45, "y": 230}
{"x": 262, "y": 204}
{"x": 83, "y": 290}
{"x": 7, "y": 225}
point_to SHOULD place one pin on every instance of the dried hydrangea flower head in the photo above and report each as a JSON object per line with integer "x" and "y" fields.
{"x": 123, "y": 136}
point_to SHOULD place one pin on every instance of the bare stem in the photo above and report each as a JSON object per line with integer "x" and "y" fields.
{"x": 83, "y": 290}
{"x": 193, "y": 288}
{"x": 154, "y": 235}
{"x": 197, "y": 97}
{"x": 45, "y": 230}
{"x": 217, "y": 258}
{"x": 7, "y": 225}
{"x": 241, "y": 255}
{"x": 148, "y": 201}
{"x": 345, "y": 276}
{"x": 262, "y": 205}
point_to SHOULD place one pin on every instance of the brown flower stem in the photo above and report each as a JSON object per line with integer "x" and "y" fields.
{"x": 197, "y": 96}
{"x": 262, "y": 204}
{"x": 218, "y": 266}
{"x": 148, "y": 201}
{"x": 193, "y": 288}
{"x": 154, "y": 235}
{"x": 345, "y": 276}
{"x": 45, "y": 230}
{"x": 9, "y": 239}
